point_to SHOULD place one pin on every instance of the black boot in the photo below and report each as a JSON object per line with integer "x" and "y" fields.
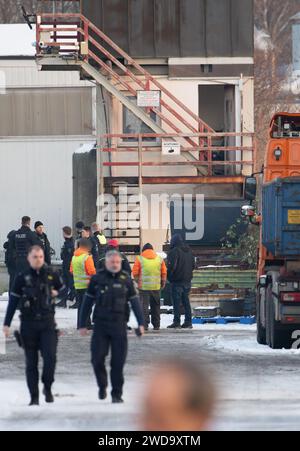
{"x": 117, "y": 400}
{"x": 102, "y": 393}
{"x": 48, "y": 395}
{"x": 174, "y": 326}
{"x": 34, "y": 400}
{"x": 187, "y": 326}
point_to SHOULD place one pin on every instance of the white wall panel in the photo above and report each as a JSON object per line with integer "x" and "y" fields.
{"x": 36, "y": 180}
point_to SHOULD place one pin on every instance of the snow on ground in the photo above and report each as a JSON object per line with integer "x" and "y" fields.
{"x": 66, "y": 319}
{"x": 76, "y": 407}
{"x": 244, "y": 345}
{"x": 258, "y": 387}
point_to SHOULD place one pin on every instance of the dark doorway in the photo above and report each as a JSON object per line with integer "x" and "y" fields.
{"x": 217, "y": 108}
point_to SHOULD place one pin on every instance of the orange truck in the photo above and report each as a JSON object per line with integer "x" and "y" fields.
{"x": 278, "y": 214}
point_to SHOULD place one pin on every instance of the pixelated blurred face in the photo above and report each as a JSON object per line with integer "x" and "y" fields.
{"x": 164, "y": 404}
{"x": 36, "y": 258}
{"x": 40, "y": 230}
{"x": 114, "y": 263}
{"x": 85, "y": 234}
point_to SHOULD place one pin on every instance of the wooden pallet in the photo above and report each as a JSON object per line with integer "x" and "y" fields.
{"x": 225, "y": 320}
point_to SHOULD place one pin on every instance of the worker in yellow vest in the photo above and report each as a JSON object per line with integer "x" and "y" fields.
{"x": 82, "y": 268}
{"x": 150, "y": 272}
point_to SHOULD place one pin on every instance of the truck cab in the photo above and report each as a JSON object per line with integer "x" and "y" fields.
{"x": 278, "y": 278}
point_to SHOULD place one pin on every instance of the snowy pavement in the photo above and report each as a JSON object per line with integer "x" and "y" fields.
{"x": 259, "y": 388}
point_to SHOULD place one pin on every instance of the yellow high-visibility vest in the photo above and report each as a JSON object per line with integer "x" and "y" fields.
{"x": 150, "y": 273}
{"x": 102, "y": 239}
{"x": 81, "y": 279}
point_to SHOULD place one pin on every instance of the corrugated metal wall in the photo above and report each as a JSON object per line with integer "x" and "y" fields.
{"x": 24, "y": 73}
{"x": 37, "y": 112}
{"x": 36, "y": 180}
{"x": 170, "y": 28}
{"x": 85, "y": 187}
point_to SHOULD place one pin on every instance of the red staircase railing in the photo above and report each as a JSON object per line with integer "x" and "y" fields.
{"x": 68, "y": 31}
{"x": 210, "y": 149}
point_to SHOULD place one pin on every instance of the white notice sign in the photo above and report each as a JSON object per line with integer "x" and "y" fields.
{"x": 148, "y": 99}
{"x": 170, "y": 148}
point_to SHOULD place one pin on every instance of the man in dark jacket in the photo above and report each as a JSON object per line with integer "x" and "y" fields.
{"x": 43, "y": 241}
{"x": 10, "y": 257}
{"x": 22, "y": 241}
{"x": 34, "y": 291}
{"x": 87, "y": 233}
{"x": 113, "y": 245}
{"x": 66, "y": 255}
{"x": 180, "y": 265}
{"x": 100, "y": 239}
{"x": 111, "y": 290}
{"x": 79, "y": 226}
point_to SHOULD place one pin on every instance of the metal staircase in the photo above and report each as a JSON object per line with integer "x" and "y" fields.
{"x": 72, "y": 42}
{"x": 124, "y": 222}
{"x": 77, "y": 41}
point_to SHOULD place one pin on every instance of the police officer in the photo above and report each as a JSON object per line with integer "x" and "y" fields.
{"x": 23, "y": 239}
{"x": 10, "y": 257}
{"x": 66, "y": 255}
{"x": 43, "y": 241}
{"x": 110, "y": 290}
{"x": 35, "y": 290}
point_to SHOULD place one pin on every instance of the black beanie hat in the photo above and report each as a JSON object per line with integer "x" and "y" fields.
{"x": 37, "y": 224}
{"x": 147, "y": 247}
{"x": 79, "y": 225}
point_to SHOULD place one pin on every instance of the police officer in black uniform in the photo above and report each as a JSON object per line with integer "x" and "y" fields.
{"x": 23, "y": 239}
{"x": 10, "y": 257}
{"x": 67, "y": 252}
{"x": 35, "y": 291}
{"x": 43, "y": 240}
{"x": 111, "y": 289}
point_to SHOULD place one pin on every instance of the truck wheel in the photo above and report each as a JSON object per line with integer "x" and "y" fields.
{"x": 260, "y": 330}
{"x": 276, "y": 338}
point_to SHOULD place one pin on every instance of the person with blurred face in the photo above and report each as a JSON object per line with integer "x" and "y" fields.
{"x": 43, "y": 240}
{"x": 35, "y": 291}
{"x": 111, "y": 289}
{"x": 180, "y": 396}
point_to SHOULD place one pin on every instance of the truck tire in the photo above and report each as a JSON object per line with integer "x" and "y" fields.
{"x": 260, "y": 330}
{"x": 276, "y": 338}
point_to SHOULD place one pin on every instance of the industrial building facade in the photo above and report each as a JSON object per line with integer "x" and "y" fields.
{"x": 45, "y": 119}
{"x": 202, "y": 56}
